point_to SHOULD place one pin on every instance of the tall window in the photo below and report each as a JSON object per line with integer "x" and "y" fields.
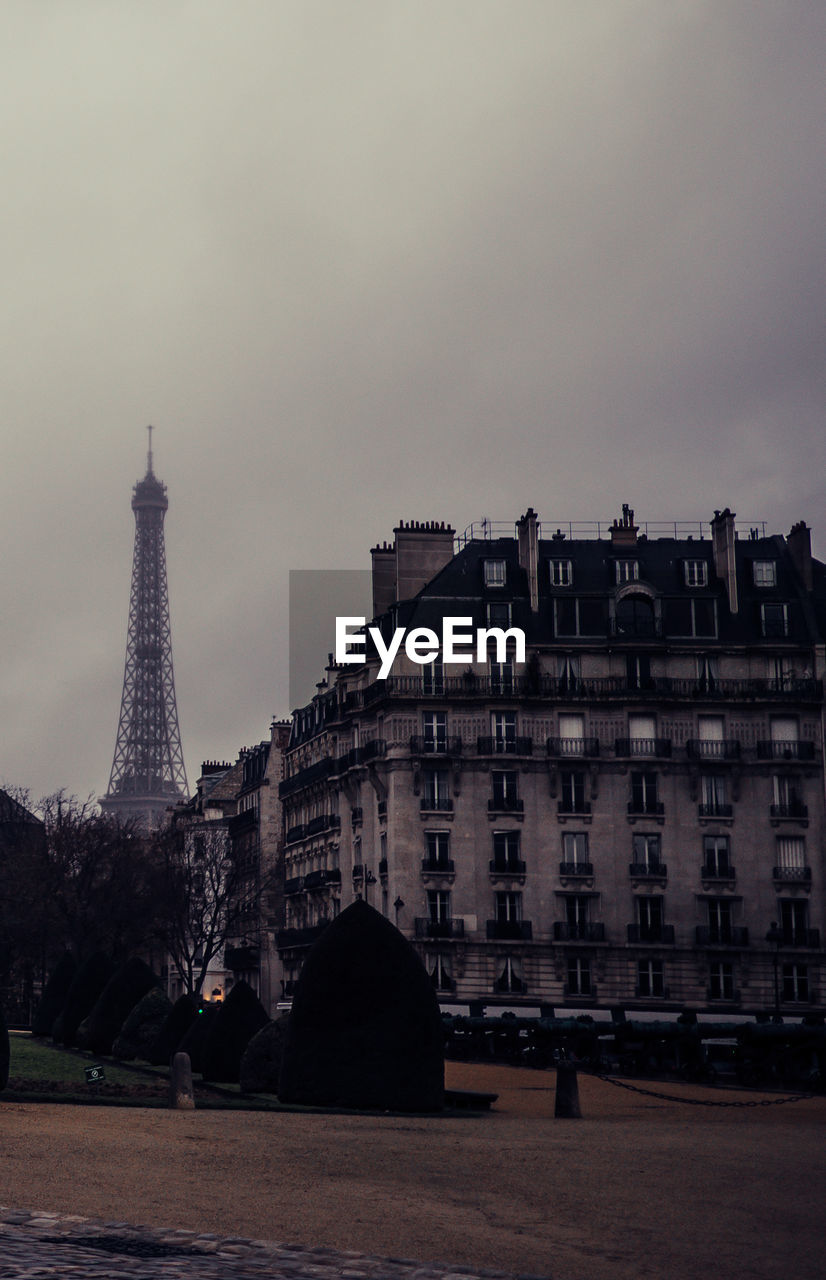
{"x": 508, "y": 907}
{"x": 708, "y": 672}
{"x": 501, "y": 676}
{"x": 647, "y": 851}
{"x": 440, "y": 974}
{"x": 638, "y": 671}
{"x": 438, "y": 905}
{"x": 568, "y": 669}
{"x": 719, "y": 920}
{"x": 791, "y": 853}
{"x": 714, "y": 794}
{"x": 716, "y": 856}
{"x": 562, "y": 573}
{"x": 721, "y": 980}
{"x": 503, "y": 730}
{"x": 794, "y": 921}
{"x": 788, "y": 802}
{"x": 572, "y": 734}
{"x": 575, "y": 848}
{"x": 626, "y": 571}
{"x": 696, "y": 573}
{"x": 579, "y": 976}
{"x": 436, "y": 790}
{"x": 576, "y": 912}
{"x": 650, "y": 918}
{"x": 434, "y": 730}
{"x": 572, "y": 791}
{"x": 796, "y": 982}
{"x": 509, "y": 976}
{"x": 494, "y": 573}
{"x": 433, "y": 677}
{"x": 499, "y": 614}
{"x": 774, "y": 621}
{"x": 505, "y": 789}
{"x": 506, "y": 851}
{"x": 650, "y": 978}
{"x": 438, "y": 849}
{"x": 644, "y": 792}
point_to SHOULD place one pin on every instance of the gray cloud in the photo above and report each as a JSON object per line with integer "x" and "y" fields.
{"x": 369, "y": 262}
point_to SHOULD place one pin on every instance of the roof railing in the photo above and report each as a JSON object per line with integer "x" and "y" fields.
{"x": 576, "y": 530}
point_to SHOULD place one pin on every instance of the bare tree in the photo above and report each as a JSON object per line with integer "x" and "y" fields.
{"x": 199, "y": 906}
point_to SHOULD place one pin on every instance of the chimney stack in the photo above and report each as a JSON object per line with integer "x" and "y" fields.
{"x": 527, "y": 536}
{"x": 724, "y": 536}
{"x": 624, "y": 532}
{"x": 799, "y": 543}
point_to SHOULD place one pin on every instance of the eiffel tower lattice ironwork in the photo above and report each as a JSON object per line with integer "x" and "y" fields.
{"x": 148, "y": 771}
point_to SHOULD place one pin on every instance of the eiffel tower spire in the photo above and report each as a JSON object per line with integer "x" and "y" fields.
{"x": 148, "y": 771}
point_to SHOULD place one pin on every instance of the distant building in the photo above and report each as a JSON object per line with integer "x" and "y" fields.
{"x": 633, "y": 817}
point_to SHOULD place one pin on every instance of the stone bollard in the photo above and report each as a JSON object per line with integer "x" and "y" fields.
{"x": 181, "y": 1094}
{"x": 566, "y": 1106}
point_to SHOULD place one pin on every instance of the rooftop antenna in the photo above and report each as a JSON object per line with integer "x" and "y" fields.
{"x": 149, "y": 454}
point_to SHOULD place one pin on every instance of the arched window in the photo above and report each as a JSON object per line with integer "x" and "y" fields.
{"x": 635, "y": 616}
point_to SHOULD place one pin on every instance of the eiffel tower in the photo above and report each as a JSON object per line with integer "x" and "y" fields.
{"x": 148, "y": 773}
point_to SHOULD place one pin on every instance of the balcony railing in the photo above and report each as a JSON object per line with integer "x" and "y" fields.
{"x": 438, "y": 867}
{"x": 320, "y": 879}
{"x": 583, "y": 931}
{"x": 661, "y": 933}
{"x": 713, "y": 749}
{"x": 648, "y": 870}
{"x": 573, "y": 807}
{"x": 506, "y": 804}
{"x": 715, "y": 810}
{"x": 507, "y": 867}
{"x": 306, "y": 776}
{"x": 646, "y": 808}
{"x": 424, "y": 927}
{"x": 793, "y": 810}
{"x": 715, "y": 872}
{"x": 799, "y": 750}
{"x": 801, "y": 938}
{"x": 294, "y": 885}
{"x": 572, "y": 869}
{"x": 487, "y": 746}
{"x": 421, "y": 746}
{"x": 296, "y": 833}
{"x": 510, "y": 930}
{"x": 436, "y": 804}
{"x": 642, "y": 747}
{"x": 566, "y": 689}
{"x": 708, "y": 935}
{"x": 581, "y": 747}
{"x": 304, "y": 937}
{"x": 324, "y": 822}
{"x": 792, "y": 875}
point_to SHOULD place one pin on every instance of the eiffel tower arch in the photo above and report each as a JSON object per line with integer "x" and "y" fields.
{"x": 148, "y": 773}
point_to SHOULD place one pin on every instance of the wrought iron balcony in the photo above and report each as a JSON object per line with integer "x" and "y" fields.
{"x": 307, "y": 776}
{"x": 439, "y": 746}
{"x": 295, "y": 833}
{"x": 716, "y": 872}
{"x": 573, "y": 808}
{"x": 645, "y": 808}
{"x": 573, "y": 869}
{"x": 579, "y": 747}
{"x": 719, "y": 936}
{"x": 642, "y": 747}
{"x": 320, "y": 879}
{"x": 294, "y": 885}
{"x": 583, "y": 931}
{"x": 506, "y": 804}
{"x": 487, "y": 746}
{"x": 801, "y": 938}
{"x": 510, "y": 930}
{"x": 662, "y": 933}
{"x": 648, "y": 870}
{"x": 507, "y": 867}
{"x": 324, "y": 822}
{"x": 243, "y": 957}
{"x": 798, "y": 750}
{"x": 715, "y": 810}
{"x": 424, "y": 927}
{"x": 793, "y": 810}
{"x": 711, "y": 749}
{"x": 792, "y": 875}
{"x": 438, "y": 867}
{"x": 436, "y": 804}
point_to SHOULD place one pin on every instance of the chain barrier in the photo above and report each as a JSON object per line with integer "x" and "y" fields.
{"x": 702, "y": 1102}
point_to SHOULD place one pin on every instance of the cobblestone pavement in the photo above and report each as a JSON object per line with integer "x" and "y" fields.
{"x": 36, "y": 1246}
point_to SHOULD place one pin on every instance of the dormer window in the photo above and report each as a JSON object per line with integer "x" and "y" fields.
{"x": 499, "y": 614}
{"x": 765, "y": 573}
{"x": 626, "y": 570}
{"x": 562, "y": 573}
{"x": 696, "y": 573}
{"x": 494, "y": 573}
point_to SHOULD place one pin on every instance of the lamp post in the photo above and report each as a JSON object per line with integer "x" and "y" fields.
{"x": 775, "y": 937}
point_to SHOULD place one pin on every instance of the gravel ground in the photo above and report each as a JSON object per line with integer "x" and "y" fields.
{"x": 640, "y": 1187}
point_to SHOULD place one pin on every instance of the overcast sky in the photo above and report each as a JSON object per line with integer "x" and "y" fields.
{"x": 369, "y": 261}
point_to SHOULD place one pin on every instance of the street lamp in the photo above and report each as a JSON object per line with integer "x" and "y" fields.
{"x": 775, "y": 937}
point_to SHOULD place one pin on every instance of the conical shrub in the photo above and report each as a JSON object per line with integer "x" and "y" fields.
{"x": 54, "y": 995}
{"x": 171, "y": 1032}
{"x": 87, "y": 984}
{"x": 114, "y": 1004}
{"x": 142, "y": 1025}
{"x": 261, "y": 1060}
{"x": 365, "y": 1029}
{"x": 236, "y": 1022}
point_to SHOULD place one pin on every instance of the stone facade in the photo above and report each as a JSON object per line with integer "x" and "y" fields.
{"x": 620, "y": 820}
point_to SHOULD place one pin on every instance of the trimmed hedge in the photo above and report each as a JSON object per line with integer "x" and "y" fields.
{"x": 114, "y": 1004}
{"x": 142, "y": 1025}
{"x": 54, "y": 995}
{"x": 261, "y": 1061}
{"x": 235, "y": 1023}
{"x": 175, "y": 1026}
{"x": 87, "y": 984}
{"x": 365, "y": 1028}
{"x": 195, "y": 1038}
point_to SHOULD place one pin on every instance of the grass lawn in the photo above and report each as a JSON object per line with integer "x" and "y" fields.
{"x": 44, "y": 1062}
